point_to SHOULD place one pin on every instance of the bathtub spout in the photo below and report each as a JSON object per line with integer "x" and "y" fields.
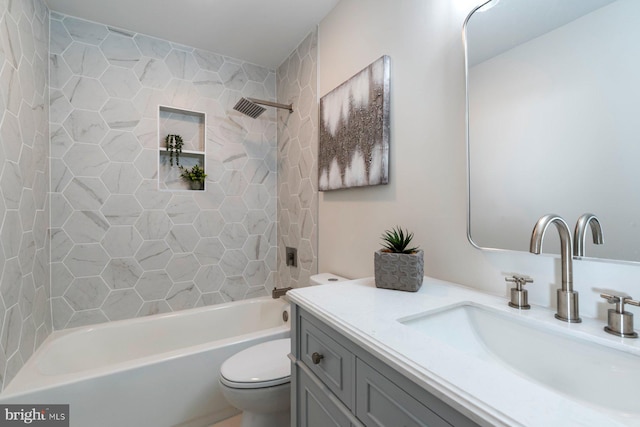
{"x": 278, "y": 292}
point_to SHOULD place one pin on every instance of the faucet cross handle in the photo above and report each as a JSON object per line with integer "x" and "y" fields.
{"x": 519, "y": 280}
{"x": 620, "y": 301}
{"x": 620, "y": 321}
{"x": 519, "y": 298}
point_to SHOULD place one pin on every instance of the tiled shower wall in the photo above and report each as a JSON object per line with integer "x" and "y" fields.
{"x": 25, "y": 317}
{"x": 121, "y": 248}
{"x": 298, "y": 164}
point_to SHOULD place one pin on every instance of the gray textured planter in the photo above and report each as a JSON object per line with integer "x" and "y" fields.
{"x": 403, "y": 272}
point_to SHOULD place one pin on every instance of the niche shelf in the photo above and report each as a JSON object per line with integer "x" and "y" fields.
{"x": 191, "y": 126}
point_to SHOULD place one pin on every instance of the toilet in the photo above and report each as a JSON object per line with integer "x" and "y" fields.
{"x": 257, "y": 380}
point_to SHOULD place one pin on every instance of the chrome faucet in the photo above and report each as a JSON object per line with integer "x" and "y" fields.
{"x": 580, "y": 233}
{"x": 567, "y": 309}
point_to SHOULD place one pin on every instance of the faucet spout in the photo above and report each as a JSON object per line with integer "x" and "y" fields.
{"x": 566, "y": 251}
{"x": 567, "y": 302}
{"x": 580, "y": 233}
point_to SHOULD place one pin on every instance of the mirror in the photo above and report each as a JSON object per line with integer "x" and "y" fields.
{"x": 553, "y": 90}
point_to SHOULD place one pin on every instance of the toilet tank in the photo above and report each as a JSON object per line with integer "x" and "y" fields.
{"x": 325, "y": 278}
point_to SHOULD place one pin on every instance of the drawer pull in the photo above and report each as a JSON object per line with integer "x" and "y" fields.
{"x": 316, "y": 358}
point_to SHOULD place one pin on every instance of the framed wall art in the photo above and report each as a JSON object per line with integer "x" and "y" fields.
{"x": 354, "y": 131}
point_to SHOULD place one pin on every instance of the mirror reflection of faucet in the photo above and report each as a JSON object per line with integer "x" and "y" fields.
{"x": 580, "y": 233}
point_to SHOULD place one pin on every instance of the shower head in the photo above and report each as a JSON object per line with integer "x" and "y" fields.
{"x": 250, "y": 107}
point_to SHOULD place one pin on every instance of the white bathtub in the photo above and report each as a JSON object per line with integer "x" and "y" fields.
{"x": 154, "y": 371}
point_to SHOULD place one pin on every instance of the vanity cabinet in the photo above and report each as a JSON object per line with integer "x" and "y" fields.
{"x": 336, "y": 382}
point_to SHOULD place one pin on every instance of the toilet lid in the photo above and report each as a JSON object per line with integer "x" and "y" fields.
{"x": 262, "y": 365}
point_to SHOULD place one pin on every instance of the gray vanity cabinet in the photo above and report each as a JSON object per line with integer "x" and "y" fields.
{"x": 337, "y": 383}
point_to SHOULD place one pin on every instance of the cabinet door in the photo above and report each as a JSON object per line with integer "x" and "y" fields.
{"x": 333, "y": 365}
{"x": 314, "y": 406}
{"x": 381, "y": 403}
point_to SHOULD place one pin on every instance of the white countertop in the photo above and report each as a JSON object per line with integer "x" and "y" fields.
{"x": 488, "y": 394}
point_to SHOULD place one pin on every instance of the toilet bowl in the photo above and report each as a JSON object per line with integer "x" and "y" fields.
{"x": 257, "y": 381}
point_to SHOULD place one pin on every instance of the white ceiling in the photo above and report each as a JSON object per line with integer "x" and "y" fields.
{"x": 262, "y": 32}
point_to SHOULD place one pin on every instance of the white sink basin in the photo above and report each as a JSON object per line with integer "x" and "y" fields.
{"x": 581, "y": 369}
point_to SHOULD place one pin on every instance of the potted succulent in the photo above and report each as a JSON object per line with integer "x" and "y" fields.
{"x": 195, "y": 176}
{"x": 398, "y": 266}
{"x": 174, "y": 145}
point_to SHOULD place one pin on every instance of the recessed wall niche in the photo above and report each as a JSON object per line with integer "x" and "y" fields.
{"x": 191, "y": 127}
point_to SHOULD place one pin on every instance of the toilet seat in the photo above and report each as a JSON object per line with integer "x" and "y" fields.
{"x": 259, "y": 366}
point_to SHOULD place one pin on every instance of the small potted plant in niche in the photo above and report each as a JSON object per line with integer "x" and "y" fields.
{"x": 174, "y": 145}
{"x": 195, "y": 176}
{"x": 398, "y": 266}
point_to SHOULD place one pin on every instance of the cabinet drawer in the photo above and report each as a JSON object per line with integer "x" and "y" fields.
{"x": 333, "y": 364}
{"x": 380, "y": 402}
{"x": 316, "y": 407}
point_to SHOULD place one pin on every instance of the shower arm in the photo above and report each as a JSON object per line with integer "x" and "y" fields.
{"x": 272, "y": 104}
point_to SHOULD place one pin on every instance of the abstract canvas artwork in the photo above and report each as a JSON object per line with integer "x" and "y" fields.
{"x": 354, "y": 131}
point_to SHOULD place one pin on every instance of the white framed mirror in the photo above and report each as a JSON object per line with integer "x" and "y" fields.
{"x": 552, "y": 97}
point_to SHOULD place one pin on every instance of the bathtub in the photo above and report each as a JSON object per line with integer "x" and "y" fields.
{"x": 155, "y": 371}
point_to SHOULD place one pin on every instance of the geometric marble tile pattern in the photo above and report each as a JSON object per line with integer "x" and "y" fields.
{"x": 298, "y": 164}
{"x": 25, "y": 314}
{"x": 121, "y": 246}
